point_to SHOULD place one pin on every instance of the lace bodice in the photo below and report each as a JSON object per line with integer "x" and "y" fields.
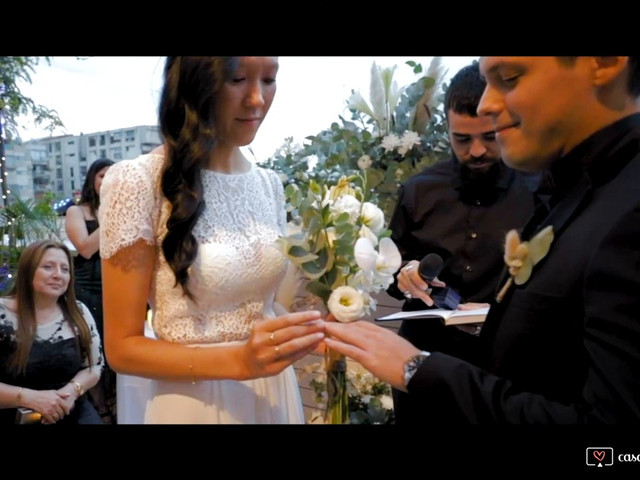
{"x": 238, "y": 267}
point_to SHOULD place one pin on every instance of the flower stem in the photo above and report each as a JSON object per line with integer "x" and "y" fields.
{"x": 337, "y": 396}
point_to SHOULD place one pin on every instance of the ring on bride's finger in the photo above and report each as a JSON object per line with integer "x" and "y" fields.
{"x": 277, "y": 349}
{"x": 408, "y": 267}
{"x": 408, "y": 295}
{"x": 272, "y": 337}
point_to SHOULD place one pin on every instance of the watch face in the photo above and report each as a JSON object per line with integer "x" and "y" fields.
{"x": 412, "y": 365}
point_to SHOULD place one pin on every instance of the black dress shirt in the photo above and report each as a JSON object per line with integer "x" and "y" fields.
{"x": 435, "y": 214}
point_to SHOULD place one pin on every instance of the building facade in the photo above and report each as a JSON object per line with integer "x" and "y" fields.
{"x": 59, "y": 164}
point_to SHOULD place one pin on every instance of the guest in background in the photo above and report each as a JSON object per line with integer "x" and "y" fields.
{"x": 49, "y": 345}
{"x": 83, "y": 231}
{"x": 563, "y": 344}
{"x": 191, "y": 228}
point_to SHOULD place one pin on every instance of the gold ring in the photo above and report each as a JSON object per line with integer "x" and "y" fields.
{"x": 277, "y": 348}
{"x": 272, "y": 337}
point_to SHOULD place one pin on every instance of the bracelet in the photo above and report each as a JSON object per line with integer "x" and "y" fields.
{"x": 19, "y": 396}
{"x": 193, "y": 378}
{"x": 79, "y": 389}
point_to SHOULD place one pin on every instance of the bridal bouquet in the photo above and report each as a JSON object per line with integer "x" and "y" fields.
{"x": 341, "y": 245}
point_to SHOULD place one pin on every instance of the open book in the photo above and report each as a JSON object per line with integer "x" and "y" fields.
{"x": 449, "y": 317}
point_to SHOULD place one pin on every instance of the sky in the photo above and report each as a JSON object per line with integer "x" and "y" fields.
{"x": 93, "y": 94}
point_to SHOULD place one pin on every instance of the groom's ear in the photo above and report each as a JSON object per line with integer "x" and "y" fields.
{"x": 609, "y": 69}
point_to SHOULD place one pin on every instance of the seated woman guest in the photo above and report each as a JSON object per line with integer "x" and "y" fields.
{"x": 49, "y": 346}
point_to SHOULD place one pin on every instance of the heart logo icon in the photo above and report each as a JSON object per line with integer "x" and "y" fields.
{"x": 599, "y": 455}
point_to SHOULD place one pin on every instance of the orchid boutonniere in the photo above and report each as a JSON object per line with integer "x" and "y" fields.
{"x": 521, "y": 257}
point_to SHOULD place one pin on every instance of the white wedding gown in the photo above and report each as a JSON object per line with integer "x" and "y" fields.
{"x": 234, "y": 279}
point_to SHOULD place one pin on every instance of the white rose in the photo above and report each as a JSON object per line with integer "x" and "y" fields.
{"x": 364, "y": 162}
{"x": 346, "y": 304}
{"x": 348, "y": 204}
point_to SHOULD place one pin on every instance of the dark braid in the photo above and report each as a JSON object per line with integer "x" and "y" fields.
{"x": 187, "y": 122}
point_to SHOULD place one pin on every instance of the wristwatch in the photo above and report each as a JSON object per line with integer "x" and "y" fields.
{"x": 411, "y": 366}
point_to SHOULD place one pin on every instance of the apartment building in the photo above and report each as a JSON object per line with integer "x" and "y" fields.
{"x": 59, "y": 164}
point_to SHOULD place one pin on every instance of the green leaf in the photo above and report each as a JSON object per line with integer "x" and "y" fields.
{"x": 320, "y": 290}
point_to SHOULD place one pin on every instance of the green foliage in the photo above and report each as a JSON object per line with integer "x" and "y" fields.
{"x": 21, "y": 223}
{"x": 348, "y": 145}
{"x": 369, "y": 399}
{"x": 13, "y": 103}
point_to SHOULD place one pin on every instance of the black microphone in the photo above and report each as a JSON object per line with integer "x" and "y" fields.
{"x": 443, "y": 297}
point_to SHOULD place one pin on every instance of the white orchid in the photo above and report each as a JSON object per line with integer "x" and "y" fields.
{"x": 383, "y": 263}
{"x": 372, "y": 217}
{"x": 366, "y": 232}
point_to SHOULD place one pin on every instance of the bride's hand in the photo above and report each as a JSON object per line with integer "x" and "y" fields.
{"x": 275, "y": 343}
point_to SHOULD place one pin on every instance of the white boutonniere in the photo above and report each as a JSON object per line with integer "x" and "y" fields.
{"x": 521, "y": 257}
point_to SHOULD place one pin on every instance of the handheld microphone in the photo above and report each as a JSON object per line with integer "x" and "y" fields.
{"x": 443, "y": 297}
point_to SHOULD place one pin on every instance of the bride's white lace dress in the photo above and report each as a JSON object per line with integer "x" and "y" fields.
{"x": 234, "y": 279}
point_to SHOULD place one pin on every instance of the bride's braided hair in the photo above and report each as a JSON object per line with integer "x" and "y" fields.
{"x": 187, "y": 122}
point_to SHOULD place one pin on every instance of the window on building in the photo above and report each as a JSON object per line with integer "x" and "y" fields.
{"x": 130, "y": 135}
{"x": 102, "y": 140}
{"x": 71, "y": 172}
{"x": 92, "y": 141}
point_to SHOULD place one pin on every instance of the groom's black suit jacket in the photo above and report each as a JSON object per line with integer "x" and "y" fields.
{"x": 565, "y": 346}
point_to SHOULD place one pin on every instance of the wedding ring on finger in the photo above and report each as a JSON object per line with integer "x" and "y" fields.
{"x": 408, "y": 295}
{"x": 272, "y": 337}
{"x": 408, "y": 267}
{"x": 277, "y": 349}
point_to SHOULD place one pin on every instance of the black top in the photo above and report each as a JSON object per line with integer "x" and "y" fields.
{"x": 466, "y": 227}
{"x": 54, "y": 359}
{"x": 88, "y": 271}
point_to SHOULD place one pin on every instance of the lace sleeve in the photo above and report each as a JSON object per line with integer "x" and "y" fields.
{"x": 278, "y": 192}
{"x": 127, "y": 206}
{"x": 96, "y": 349}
